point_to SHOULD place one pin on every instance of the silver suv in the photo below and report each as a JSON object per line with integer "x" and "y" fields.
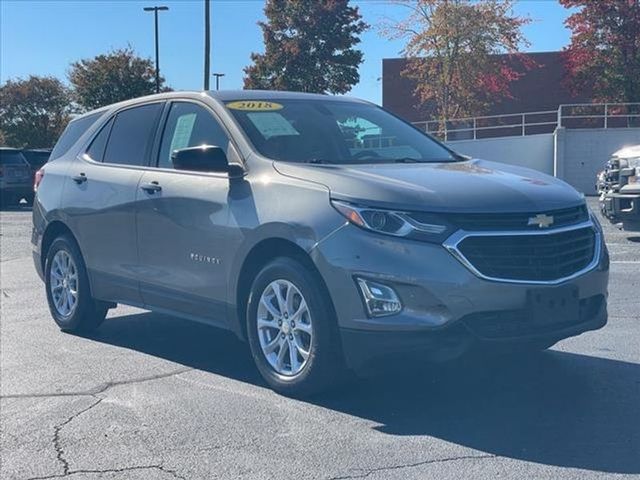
{"x": 324, "y": 231}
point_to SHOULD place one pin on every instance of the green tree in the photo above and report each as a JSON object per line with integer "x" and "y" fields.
{"x": 451, "y": 52}
{"x": 113, "y": 77}
{"x": 604, "y": 54}
{"x": 33, "y": 112}
{"x": 309, "y": 47}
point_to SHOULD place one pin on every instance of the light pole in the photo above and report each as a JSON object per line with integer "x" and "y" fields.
{"x": 207, "y": 43}
{"x": 218, "y": 75}
{"x": 155, "y": 11}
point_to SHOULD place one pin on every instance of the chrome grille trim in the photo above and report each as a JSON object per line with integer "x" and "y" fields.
{"x": 451, "y": 244}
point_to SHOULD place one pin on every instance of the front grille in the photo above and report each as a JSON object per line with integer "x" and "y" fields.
{"x": 514, "y": 221}
{"x": 542, "y": 257}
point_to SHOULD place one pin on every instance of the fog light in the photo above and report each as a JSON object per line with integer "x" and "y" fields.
{"x": 379, "y": 299}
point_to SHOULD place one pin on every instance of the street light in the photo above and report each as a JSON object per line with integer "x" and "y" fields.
{"x": 218, "y": 75}
{"x": 155, "y": 11}
{"x": 207, "y": 42}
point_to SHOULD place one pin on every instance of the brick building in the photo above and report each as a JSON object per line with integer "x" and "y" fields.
{"x": 539, "y": 89}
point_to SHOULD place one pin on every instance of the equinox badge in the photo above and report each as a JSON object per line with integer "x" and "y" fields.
{"x": 541, "y": 220}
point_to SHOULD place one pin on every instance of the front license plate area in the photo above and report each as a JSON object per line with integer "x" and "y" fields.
{"x": 547, "y": 306}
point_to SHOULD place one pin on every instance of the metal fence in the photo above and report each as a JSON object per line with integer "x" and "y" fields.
{"x": 583, "y": 115}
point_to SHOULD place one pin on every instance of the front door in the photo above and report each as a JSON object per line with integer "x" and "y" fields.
{"x": 185, "y": 242}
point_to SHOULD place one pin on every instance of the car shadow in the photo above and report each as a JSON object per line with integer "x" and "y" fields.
{"x": 552, "y": 408}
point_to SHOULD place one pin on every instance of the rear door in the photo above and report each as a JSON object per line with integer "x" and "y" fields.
{"x": 185, "y": 240}
{"x": 100, "y": 198}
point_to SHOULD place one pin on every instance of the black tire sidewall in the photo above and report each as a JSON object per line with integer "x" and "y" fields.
{"x": 86, "y": 316}
{"x": 322, "y": 366}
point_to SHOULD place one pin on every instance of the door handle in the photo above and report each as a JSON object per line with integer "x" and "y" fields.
{"x": 80, "y": 178}
{"x": 152, "y": 187}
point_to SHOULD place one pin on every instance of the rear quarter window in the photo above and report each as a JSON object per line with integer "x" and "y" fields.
{"x": 72, "y": 133}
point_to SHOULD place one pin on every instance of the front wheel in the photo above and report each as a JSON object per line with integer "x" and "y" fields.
{"x": 68, "y": 290}
{"x": 291, "y": 329}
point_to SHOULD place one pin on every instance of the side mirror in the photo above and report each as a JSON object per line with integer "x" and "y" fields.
{"x": 205, "y": 158}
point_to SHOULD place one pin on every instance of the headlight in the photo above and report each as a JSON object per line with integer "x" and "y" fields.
{"x": 427, "y": 227}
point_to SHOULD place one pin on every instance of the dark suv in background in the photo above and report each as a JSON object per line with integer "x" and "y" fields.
{"x": 16, "y": 179}
{"x": 324, "y": 231}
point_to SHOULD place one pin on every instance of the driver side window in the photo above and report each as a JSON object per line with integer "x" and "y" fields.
{"x": 189, "y": 125}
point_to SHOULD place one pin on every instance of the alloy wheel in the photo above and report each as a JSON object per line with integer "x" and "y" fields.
{"x": 285, "y": 328}
{"x": 63, "y": 278}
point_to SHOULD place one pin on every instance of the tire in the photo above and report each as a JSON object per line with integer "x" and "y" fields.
{"x": 84, "y": 313}
{"x": 323, "y": 366}
{"x": 29, "y": 198}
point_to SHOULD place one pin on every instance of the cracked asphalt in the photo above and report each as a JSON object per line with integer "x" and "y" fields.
{"x": 153, "y": 397}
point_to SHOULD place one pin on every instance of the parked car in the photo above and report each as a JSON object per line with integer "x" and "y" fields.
{"x": 15, "y": 177}
{"x": 276, "y": 216}
{"x": 620, "y": 192}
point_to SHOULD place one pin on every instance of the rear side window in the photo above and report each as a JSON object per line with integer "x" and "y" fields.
{"x": 11, "y": 157}
{"x": 131, "y": 134}
{"x": 72, "y": 133}
{"x": 99, "y": 143}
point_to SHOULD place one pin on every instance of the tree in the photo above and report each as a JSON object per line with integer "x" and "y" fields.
{"x": 604, "y": 54}
{"x": 33, "y": 112}
{"x": 451, "y": 52}
{"x": 309, "y": 47}
{"x": 113, "y": 77}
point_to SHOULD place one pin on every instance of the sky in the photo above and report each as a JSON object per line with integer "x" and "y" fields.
{"x": 43, "y": 37}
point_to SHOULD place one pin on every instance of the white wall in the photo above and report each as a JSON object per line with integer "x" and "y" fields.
{"x": 581, "y": 154}
{"x": 531, "y": 151}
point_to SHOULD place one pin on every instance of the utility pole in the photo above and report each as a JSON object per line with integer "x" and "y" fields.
{"x": 218, "y": 75}
{"x": 155, "y": 11}
{"x": 207, "y": 43}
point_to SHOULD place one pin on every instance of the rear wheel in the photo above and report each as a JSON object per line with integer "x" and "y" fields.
{"x": 68, "y": 290}
{"x": 291, "y": 330}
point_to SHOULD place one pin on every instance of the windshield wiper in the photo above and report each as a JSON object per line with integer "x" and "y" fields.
{"x": 319, "y": 161}
{"x": 407, "y": 160}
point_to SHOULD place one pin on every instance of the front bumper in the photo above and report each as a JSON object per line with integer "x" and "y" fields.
{"x": 446, "y": 308}
{"x": 623, "y": 207}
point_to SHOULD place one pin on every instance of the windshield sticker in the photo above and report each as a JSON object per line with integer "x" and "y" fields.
{"x": 254, "y": 106}
{"x": 272, "y": 124}
{"x": 182, "y": 133}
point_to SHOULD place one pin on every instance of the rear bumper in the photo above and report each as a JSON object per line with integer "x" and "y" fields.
{"x": 22, "y": 189}
{"x": 488, "y": 330}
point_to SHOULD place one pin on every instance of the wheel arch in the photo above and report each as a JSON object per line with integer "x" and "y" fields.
{"x": 260, "y": 255}
{"x": 54, "y": 230}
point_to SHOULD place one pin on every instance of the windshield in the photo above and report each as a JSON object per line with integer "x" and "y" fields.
{"x": 333, "y": 131}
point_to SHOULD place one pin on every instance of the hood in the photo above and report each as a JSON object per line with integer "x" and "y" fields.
{"x": 467, "y": 186}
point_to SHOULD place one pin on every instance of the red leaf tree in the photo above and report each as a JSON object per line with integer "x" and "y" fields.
{"x": 604, "y": 54}
{"x": 452, "y": 53}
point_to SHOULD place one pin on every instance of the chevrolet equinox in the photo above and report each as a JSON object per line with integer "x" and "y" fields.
{"x": 324, "y": 231}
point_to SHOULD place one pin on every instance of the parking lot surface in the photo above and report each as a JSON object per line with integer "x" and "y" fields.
{"x": 148, "y": 396}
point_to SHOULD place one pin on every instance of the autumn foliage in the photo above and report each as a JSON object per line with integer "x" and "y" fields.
{"x": 604, "y": 54}
{"x": 309, "y": 47}
{"x": 451, "y": 50}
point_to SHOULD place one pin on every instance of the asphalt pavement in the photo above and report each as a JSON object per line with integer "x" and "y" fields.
{"x": 148, "y": 396}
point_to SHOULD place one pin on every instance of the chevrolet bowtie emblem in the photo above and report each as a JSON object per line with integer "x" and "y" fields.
{"x": 541, "y": 220}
